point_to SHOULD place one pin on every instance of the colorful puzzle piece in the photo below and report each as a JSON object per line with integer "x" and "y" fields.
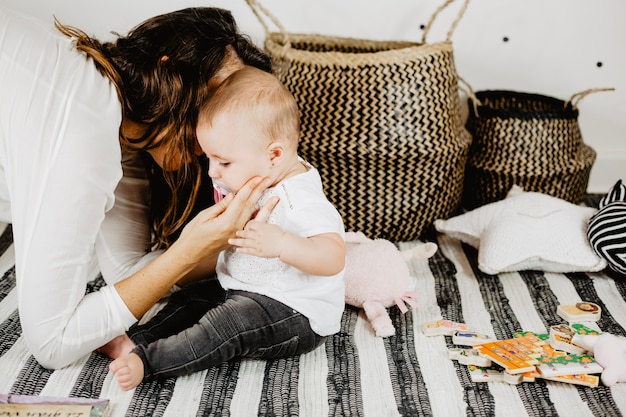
{"x": 540, "y": 336}
{"x": 468, "y": 357}
{"x": 561, "y": 339}
{"x": 583, "y": 311}
{"x": 530, "y": 351}
{"x": 539, "y": 339}
{"x": 578, "y": 379}
{"x": 518, "y": 378}
{"x": 442, "y": 327}
{"x": 549, "y": 351}
{"x": 496, "y": 373}
{"x": 582, "y": 329}
{"x": 465, "y": 338}
{"x": 571, "y": 364}
{"x": 486, "y": 374}
{"x": 517, "y": 355}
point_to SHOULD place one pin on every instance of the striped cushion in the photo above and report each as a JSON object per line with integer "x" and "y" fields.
{"x": 607, "y": 228}
{"x": 616, "y": 193}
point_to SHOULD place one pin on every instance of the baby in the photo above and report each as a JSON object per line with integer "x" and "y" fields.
{"x": 280, "y": 289}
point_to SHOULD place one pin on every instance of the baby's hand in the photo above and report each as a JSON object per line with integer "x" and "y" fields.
{"x": 260, "y": 239}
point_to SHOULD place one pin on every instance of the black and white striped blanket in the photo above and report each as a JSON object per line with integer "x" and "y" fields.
{"x": 356, "y": 373}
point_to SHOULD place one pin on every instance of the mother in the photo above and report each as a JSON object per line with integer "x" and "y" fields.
{"x": 90, "y": 133}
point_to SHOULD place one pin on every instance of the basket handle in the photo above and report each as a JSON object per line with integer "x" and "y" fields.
{"x": 579, "y": 96}
{"x": 454, "y": 23}
{"x": 261, "y": 13}
{"x": 469, "y": 91}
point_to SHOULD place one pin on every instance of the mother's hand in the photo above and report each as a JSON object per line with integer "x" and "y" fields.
{"x": 203, "y": 238}
{"x": 210, "y": 230}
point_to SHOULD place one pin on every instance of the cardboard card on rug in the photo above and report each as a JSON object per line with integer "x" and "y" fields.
{"x": 32, "y": 405}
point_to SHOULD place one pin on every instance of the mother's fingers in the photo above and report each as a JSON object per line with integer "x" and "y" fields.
{"x": 264, "y": 212}
{"x": 257, "y": 188}
{"x": 242, "y": 207}
{"x": 219, "y": 207}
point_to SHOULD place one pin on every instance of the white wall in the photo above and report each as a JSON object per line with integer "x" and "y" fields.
{"x": 555, "y": 47}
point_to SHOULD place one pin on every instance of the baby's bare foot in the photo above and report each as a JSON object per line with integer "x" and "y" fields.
{"x": 120, "y": 346}
{"x": 128, "y": 371}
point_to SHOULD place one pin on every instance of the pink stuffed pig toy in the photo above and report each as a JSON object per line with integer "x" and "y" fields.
{"x": 610, "y": 353}
{"x": 377, "y": 277}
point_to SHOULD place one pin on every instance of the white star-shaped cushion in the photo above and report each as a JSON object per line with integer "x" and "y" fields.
{"x": 527, "y": 231}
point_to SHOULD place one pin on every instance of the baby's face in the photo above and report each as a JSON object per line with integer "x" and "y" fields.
{"x": 235, "y": 150}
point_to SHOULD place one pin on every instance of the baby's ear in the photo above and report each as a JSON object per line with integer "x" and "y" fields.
{"x": 276, "y": 151}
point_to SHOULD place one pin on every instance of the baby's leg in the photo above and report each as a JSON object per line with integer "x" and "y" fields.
{"x": 120, "y": 346}
{"x": 128, "y": 371}
{"x": 183, "y": 310}
{"x": 247, "y": 324}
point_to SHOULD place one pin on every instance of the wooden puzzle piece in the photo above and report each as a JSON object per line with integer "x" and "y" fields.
{"x": 468, "y": 357}
{"x": 516, "y": 356}
{"x": 549, "y": 351}
{"x": 571, "y": 364}
{"x": 512, "y": 379}
{"x": 583, "y": 311}
{"x": 578, "y": 379}
{"x": 486, "y": 374}
{"x": 539, "y": 336}
{"x": 465, "y": 338}
{"x": 442, "y": 327}
{"x": 561, "y": 338}
{"x": 538, "y": 339}
{"x": 495, "y": 373}
{"x": 527, "y": 356}
{"x": 584, "y": 330}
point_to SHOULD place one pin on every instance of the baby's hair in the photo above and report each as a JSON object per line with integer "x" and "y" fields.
{"x": 260, "y": 98}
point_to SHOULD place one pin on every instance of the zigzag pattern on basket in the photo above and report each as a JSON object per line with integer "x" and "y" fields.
{"x": 381, "y": 121}
{"x": 388, "y": 142}
{"x": 528, "y": 140}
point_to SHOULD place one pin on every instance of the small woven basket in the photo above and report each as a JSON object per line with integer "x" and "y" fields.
{"x": 381, "y": 121}
{"x": 529, "y": 140}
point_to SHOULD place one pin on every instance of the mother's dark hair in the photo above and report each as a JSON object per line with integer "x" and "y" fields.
{"x": 162, "y": 70}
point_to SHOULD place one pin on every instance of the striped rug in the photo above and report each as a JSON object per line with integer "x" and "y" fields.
{"x": 355, "y": 373}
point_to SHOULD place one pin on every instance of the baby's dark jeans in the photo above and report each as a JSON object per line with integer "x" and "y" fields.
{"x": 202, "y": 326}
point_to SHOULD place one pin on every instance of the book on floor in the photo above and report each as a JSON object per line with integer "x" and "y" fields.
{"x": 12, "y": 405}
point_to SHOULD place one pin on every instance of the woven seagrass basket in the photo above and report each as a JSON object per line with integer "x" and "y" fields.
{"x": 529, "y": 140}
{"x": 381, "y": 121}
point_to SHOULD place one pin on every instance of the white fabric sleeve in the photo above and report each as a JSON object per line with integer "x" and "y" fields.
{"x": 60, "y": 156}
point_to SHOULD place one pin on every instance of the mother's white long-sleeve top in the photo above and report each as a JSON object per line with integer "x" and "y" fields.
{"x": 60, "y": 173}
